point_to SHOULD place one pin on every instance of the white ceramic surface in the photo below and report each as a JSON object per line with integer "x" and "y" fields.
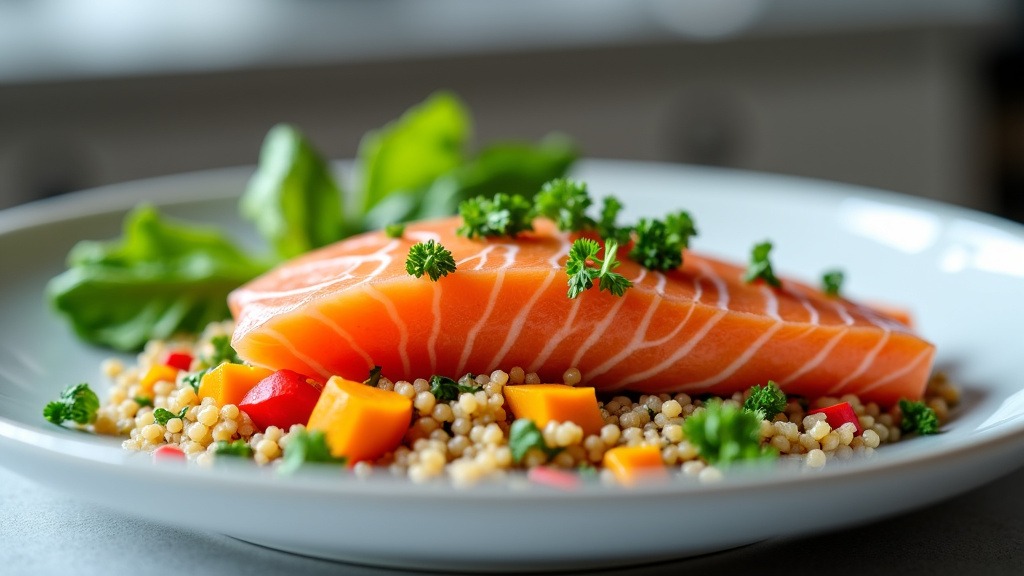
{"x": 960, "y": 272}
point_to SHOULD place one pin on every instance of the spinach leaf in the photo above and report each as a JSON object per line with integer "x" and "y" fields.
{"x": 160, "y": 278}
{"x": 292, "y": 199}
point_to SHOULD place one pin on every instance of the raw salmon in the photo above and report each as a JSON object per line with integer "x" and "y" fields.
{"x": 344, "y": 308}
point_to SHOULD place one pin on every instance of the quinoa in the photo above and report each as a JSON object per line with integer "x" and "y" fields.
{"x": 466, "y": 439}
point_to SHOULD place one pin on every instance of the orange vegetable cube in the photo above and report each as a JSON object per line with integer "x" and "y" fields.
{"x": 158, "y": 373}
{"x": 228, "y": 383}
{"x": 633, "y": 464}
{"x": 543, "y": 403}
{"x": 360, "y": 422}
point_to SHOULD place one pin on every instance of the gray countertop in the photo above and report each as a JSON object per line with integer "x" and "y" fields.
{"x": 46, "y": 532}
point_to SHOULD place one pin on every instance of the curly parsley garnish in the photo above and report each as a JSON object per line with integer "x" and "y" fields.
{"x": 565, "y": 202}
{"x": 502, "y": 215}
{"x": 430, "y": 258}
{"x": 660, "y": 243}
{"x": 77, "y": 403}
{"x": 918, "y": 418}
{"x": 445, "y": 389}
{"x": 832, "y": 282}
{"x": 607, "y": 226}
{"x": 761, "y": 267}
{"x": 766, "y": 401}
{"x": 582, "y": 275}
{"x": 193, "y": 379}
{"x": 726, "y": 433}
{"x": 524, "y": 435}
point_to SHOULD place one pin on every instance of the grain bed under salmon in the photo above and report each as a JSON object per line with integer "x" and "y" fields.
{"x": 467, "y": 440}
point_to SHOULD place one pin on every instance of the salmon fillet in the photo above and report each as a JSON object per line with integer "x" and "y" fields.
{"x": 344, "y": 308}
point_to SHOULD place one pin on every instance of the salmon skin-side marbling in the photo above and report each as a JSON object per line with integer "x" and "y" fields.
{"x": 344, "y": 308}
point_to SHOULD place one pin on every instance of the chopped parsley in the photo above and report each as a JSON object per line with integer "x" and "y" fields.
{"x": 918, "y": 418}
{"x": 307, "y": 446}
{"x": 502, "y": 215}
{"x": 832, "y": 282}
{"x": 222, "y": 352}
{"x": 565, "y": 202}
{"x": 761, "y": 267}
{"x": 374, "y": 377}
{"x": 726, "y": 433}
{"x": 430, "y": 258}
{"x": 162, "y": 415}
{"x": 394, "y": 230}
{"x": 660, "y": 243}
{"x": 77, "y": 403}
{"x": 238, "y": 448}
{"x": 766, "y": 401}
{"x": 445, "y": 389}
{"x": 524, "y": 435}
{"x": 193, "y": 379}
{"x": 582, "y": 275}
{"x": 143, "y": 401}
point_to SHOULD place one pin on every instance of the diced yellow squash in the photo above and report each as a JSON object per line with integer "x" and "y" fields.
{"x": 633, "y": 464}
{"x": 543, "y": 403}
{"x": 228, "y": 383}
{"x": 360, "y": 422}
{"x": 157, "y": 373}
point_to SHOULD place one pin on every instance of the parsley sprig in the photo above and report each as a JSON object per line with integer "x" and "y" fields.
{"x": 766, "y": 401}
{"x": 726, "y": 433}
{"x": 430, "y": 258}
{"x": 502, "y": 215}
{"x": 761, "y": 267}
{"x": 582, "y": 275}
{"x": 660, "y": 243}
{"x": 832, "y": 282}
{"x": 565, "y": 202}
{"x": 918, "y": 418}
{"x": 77, "y": 403}
{"x": 445, "y": 389}
{"x": 524, "y": 435}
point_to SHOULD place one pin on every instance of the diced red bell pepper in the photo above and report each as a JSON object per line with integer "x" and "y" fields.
{"x": 179, "y": 360}
{"x": 281, "y": 399}
{"x": 168, "y": 453}
{"x": 553, "y": 477}
{"x": 839, "y": 414}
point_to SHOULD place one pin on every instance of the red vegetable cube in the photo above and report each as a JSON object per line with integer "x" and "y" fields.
{"x": 179, "y": 360}
{"x": 168, "y": 453}
{"x": 561, "y": 479}
{"x": 839, "y": 414}
{"x": 281, "y": 399}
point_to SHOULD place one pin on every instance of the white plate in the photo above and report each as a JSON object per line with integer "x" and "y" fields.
{"x": 961, "y": 272}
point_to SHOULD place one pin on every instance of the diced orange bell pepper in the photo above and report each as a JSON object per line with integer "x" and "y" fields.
{"x": 157, "y": 373}
{"x": 360, "y": 422}
{"x": 228, "y": 383}
{"x": 543, "y": 403}
{"x": 633, "y": 464}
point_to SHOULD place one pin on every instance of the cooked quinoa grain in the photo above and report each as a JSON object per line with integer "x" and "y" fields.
{"x": 467, "y": 439}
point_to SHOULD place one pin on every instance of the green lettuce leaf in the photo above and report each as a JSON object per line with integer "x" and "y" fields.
{"x": 162, "y": 277}
{"x": 293, "y": 199}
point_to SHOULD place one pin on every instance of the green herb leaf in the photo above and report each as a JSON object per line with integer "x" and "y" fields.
{"x": 766, "y": 401}
{"x": 143, "y": 401}
{"x": 565, "y": 202}
{"x": 222, "y": 352}
{"x": 660, "y": 243}
{"x": 918, "y": 418}
{"x": 502, "y": 215}
{"x": 408, "y": 154}
{"x": 237, "y": 448}
{"x": 582, "y": 275}
{"x": 77, "y": 403}
{"x": 292, "y": 198}
{"x": 430, "y": 258}
{"x": 374, "y": 377}
{"x": 607, "y": 226}
{"x": 307, "y": 446}
{"x": 160, "y": 278}
{"x": 725, "y": 433}
{"x": 445, "y": 389}
{"x": 162, "y": 415}
{"x": 524, "y": 435}
{"x": 761, "y": 267}
{"x": 394, "y": 230}
{"x": 832, "y": 282}
{"x": 193, "y": 379}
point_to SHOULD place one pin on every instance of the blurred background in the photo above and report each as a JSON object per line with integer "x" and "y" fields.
{"x": 918, "y": 96}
